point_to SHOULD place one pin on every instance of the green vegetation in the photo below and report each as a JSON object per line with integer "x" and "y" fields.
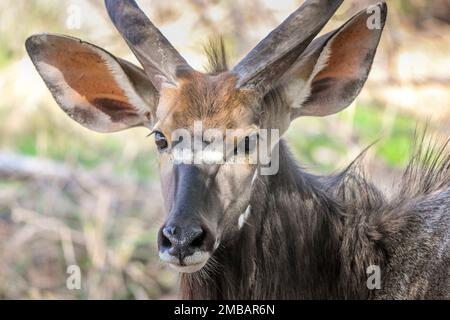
{"x": 5, "y": 56}
{"x": 396, "y": 139}
{"x": 322, "y": 149}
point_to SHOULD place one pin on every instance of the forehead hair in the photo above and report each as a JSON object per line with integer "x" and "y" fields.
{"x": 212, "y": 97}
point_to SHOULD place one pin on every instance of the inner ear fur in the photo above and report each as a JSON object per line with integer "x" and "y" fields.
{"x": 98, "y": 90}
{"x": 329, "y": 75}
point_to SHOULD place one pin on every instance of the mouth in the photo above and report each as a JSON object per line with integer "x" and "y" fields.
{"x": 189, "y": 264}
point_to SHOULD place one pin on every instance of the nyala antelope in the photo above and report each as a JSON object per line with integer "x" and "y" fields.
{"x": 231, "y": 232}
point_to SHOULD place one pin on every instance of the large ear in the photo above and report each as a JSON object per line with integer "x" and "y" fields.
{"x": 262, "y": 67}
{"x": 331, "y": 72}
{"x": 98, "y": 90}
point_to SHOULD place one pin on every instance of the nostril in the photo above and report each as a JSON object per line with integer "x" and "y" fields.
{"x": 182, "y": 239}
{"x": 169, "y": 231}
{"x": 165, "y": 242}
{"x": 198, "y": 240}
{"x": 166, "y": 235}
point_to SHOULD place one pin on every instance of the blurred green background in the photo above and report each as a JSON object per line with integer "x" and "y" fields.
{"x": 71, "y": 196}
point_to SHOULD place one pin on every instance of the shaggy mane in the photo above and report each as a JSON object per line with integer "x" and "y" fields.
{"x": 427, "y": 171}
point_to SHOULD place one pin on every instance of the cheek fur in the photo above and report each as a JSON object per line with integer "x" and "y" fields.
{"x": 237, "y": 200}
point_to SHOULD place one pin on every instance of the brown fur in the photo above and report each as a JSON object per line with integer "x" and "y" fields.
{"x": 212, "y": 99}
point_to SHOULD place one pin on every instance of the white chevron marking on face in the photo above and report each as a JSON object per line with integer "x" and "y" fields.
{"x": 244, "y": 216}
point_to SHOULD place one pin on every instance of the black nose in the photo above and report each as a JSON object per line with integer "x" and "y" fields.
{"x": 181, "y": 241}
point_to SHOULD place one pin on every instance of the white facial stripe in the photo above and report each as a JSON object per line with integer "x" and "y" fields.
{"x": 216, "y": 244}
{"x": 243, "y": 217}
{"x": 202, "y": 156}
{"x": 210, "y": 156}
{"x": 255, "y": 176}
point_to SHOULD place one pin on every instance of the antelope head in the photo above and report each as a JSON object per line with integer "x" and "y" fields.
{"x": 290, "y": 73}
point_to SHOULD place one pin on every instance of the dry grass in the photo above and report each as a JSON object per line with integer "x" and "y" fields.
{"x": 52, "y": 216}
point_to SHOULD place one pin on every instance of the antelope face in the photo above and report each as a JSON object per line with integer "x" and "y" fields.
{"x": 207, "y": 127}
{"x": 206, "y": 134}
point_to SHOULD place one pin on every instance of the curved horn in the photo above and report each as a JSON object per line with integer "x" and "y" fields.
{"x": 275, "y": 53}
{"x": 158, "y": 57}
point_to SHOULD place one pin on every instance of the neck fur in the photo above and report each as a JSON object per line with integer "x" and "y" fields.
{"x": 296, "y": 244}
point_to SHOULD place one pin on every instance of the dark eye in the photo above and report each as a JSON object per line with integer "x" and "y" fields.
{"x": 161, "y": 141}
